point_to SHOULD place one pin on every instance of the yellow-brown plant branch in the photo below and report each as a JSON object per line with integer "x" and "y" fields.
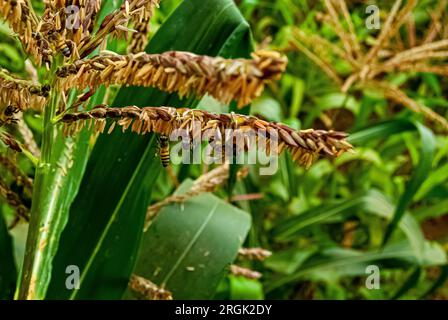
{"x": 371, "y": 64}
{"x": 186, "y": 73}
{"x": 115, "y": 23}
{"x": 81, "y": 27}
{"x": 139, "y": 39}
{"x": 305, "y": 146}
{"x": 147, "y": 290}
{"x": 396, "y": 95}
{"x": 319, "y": 61}
{"x": 23, "y": 21}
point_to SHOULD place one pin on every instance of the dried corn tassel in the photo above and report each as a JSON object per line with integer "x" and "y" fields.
{"x": 186, "y": 73}
{"x": 305, "y": 146}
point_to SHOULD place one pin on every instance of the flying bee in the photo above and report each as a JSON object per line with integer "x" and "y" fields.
{"x": 164, "y": 150}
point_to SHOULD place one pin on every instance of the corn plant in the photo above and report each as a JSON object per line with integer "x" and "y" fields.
{"x": 88, "y": 198}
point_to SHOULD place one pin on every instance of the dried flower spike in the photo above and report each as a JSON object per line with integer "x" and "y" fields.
{"x": 305, "y": 146}
{"x": 147, "y": 289}
{"x": 139, "y": 39}
{"x": 259, "y": 254}
{"x": 21, "y": 94}
{"x": 183, "y": 72}
{"x": 244, "y": 272}
{"x": 23, "y": 21}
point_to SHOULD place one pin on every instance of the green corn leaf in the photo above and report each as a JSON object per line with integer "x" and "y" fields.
{"x": 418, "y": 177}
{"x": 188, "y": 246}
{"x": 107, "y": 215}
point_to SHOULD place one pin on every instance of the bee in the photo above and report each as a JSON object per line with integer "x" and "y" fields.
{"x": 8, "y": 115}
{"x": 64, "y": 47}
{"x": 59, "y": 43}
{"x": 164, "y": 151}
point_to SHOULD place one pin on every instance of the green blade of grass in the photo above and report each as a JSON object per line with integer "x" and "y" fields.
{"x": 418, "y": 177}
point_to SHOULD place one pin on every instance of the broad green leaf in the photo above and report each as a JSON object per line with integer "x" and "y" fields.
{"x": 188, "y": 246}
{"x": 8, "y": 272}
{"x": 107, "y": 215}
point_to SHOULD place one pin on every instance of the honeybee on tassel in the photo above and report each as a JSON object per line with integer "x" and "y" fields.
{"x": 7, "y": 116}
{"x": 60, "y": 44}
{"x": 64, "y": 47}
{"x": 164, "y": 150}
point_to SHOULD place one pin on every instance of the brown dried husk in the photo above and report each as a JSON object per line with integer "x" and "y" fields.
{"x": 305, "y": 146}
{"x": 21, "y": 18}
{"x": 183, "y": 72}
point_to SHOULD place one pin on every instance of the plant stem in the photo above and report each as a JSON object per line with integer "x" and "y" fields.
{"x": 36, "y": 270}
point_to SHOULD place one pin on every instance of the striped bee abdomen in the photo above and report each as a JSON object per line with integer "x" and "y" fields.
{"x": 164, "y": 151}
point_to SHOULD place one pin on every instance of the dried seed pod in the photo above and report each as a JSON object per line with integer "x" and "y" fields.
{"x": 139, "y": 39}
{"x": 19, "y": 93}
{"x": 186, "y": 73}
{"x": 23, "y": 21}
{"x": 244, "y": 272}
{"x": 147, "y": 289}
{"x": 259, "y": 254}
{"x": 305, "y": 146}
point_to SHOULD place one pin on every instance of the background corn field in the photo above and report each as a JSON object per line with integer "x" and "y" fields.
{"x": 385, "y": 204}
